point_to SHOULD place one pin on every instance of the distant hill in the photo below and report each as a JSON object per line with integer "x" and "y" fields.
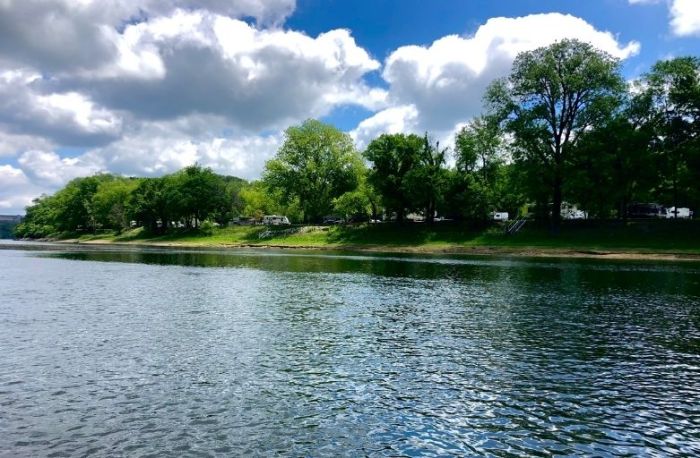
{"x": 7, "y": 224}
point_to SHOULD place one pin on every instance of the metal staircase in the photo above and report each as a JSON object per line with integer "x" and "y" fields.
{"x": 515, "y": 226}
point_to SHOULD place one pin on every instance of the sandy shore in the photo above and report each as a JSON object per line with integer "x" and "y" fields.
{"x": 536, "y": 252}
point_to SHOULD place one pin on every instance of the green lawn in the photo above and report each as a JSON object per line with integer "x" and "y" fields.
{"x": 651, "y": 236}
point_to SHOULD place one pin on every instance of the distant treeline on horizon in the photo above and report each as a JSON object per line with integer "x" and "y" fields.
{"x": 563, "y": 127}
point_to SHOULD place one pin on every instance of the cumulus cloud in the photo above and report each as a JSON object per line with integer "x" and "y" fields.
{"x": 446, "y": 80}
{"x": 389, "y": 121}
{"x": 69, "y": 118}
{"x": 16, "y": 190}
{"x": 685, "y": 17}
{"x": 156, "y": 148}
{"x": 258, "y": 79}
{"x": 69, "y": 34}
{"x": 50, "y": 170}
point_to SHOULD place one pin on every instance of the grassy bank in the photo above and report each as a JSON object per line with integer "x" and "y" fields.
{"x": 654, "y": 237}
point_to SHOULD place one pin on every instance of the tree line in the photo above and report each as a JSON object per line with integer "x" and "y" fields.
{"x": 564, "y": 126}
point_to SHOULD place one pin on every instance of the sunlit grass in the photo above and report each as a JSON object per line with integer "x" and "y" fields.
{"x": 642, "y": 237}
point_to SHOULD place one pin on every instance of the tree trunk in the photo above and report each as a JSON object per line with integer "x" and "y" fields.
{"x": 556, "y": 203}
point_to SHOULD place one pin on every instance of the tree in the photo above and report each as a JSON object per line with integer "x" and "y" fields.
{"x": 194, "y": 194}
{"x": 553, "y": 95}
{"x": 393, "y": 157}
{"x": 316, "y": 164}
{"x": 149, "y": 204}
{"x": 479, "y": 150}
{"x": 111, "y": 202}
{"x": 612, "y": 167}
{"x": 670, "y": 95}
{"x": 427, "y": 180}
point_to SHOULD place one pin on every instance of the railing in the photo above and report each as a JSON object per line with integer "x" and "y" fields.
{"x": 513, "y": 228}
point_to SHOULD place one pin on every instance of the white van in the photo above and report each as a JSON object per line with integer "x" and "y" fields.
{"x": 275, "y": 220}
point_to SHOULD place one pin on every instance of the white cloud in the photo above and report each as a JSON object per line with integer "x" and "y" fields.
{"x": 199, "y": 62}
{"x": 685, "y": 17}
{"x": 16, "y": 190}
{"x": 13, "y": 144}
{"x": 48, "y": 170}
{"x": 156, "y": 148}
{"x": 389, "y": 121}
{"x": 67, "y": 117}
{"x": 446, "y": 80}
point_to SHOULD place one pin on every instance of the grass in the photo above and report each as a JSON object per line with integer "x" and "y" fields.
{"x": 641, "y": 237}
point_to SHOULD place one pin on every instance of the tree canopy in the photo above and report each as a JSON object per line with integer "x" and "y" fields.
{"x": 553, "y": 95}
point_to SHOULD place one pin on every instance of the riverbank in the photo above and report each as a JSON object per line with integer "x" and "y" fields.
{"x": 632, "y": 241}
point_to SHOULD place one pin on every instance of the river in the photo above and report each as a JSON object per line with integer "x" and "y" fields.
{"x": 134, "y": 352}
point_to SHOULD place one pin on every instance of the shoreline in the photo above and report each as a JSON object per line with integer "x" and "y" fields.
{"x": 452, "y": 250}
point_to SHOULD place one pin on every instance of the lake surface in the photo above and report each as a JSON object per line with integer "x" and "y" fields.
{"x": 244, "y": 353}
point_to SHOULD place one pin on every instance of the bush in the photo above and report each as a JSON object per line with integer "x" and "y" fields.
{"x": 207, "y": 227}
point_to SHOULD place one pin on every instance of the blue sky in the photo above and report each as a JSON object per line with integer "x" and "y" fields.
{"x": 381, "y": 26}
{"x": 145, "y": 88}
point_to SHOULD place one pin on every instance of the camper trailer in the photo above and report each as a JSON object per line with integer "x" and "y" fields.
{"x": 681, "y": 213}
{"x": 500, "y": 216}
{"x": 275, "y": 220}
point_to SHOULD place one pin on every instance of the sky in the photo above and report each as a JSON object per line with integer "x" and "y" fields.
{"x": 144, "y": 88}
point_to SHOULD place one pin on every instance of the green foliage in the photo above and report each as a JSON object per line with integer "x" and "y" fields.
{"x": 207, "y": 227}
{"x": 552, "y": 96}
{"x": 393, "y": 158}
{"x": 316, "y": 164}
{"x": 483, "y": 182}
{"x": 670, "y": 102}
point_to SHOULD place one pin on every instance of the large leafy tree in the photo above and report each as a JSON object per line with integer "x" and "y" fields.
{"x": 111, "y": 202}
{"x": 316, "y": 164}
{"x": 393, "y": 157}
{"x": 553, "y": 95}
{"x": 195, "y": 194}
{"x": 427, "y": 180}
{"x": 479, "y": 150}
{"x": 670, "y": 96}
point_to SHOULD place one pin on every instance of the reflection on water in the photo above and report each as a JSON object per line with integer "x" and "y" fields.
{"x": 238, "y": 353}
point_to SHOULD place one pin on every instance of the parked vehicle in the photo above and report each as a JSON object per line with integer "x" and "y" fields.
{"x": 646, "y": 210}
{"x": 275, "y": 220}
{"x": 681, "y": 213}
{"x": 574, "y": 214}
{"x": 500, "y": 216}
{"x": 333, "y": 220}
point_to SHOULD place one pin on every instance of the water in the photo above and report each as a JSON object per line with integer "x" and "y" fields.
{"x": 139, "y": 352}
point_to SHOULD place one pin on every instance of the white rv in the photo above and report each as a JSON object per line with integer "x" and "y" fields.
{"x": 275, "y": 220}
{"x": 500, "y": 216}
{"x": 681, "y": 213}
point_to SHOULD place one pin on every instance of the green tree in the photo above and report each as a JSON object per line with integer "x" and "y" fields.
{"x": 427, "y": 180}
{"x": 670, "y": 95}
{"x": 149, "y": 203}
{"x": 553, "y": 95}
{"x": 393, "y": 157}
{"x": 316, "y": 164}
{"x": 612, "y": 167}
{"x": 194, "y": 194}
{"x": 111, "y": 202}
{"x": 479, "y": 159}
